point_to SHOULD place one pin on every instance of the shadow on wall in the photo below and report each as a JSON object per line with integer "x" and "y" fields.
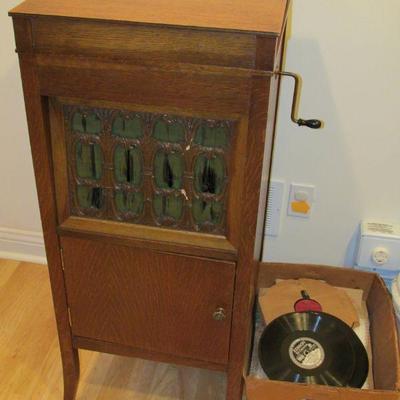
{"x": 321, "y": 158}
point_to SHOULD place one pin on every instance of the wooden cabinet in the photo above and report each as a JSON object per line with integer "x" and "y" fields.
{"x": 151, "y": 126}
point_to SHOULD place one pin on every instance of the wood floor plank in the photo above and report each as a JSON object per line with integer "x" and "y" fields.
{"x": 7, "y": 269}
{"x": 30, "y": 365}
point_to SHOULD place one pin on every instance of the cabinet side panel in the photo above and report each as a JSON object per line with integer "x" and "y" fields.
{"x": 268, "y": 149}
{"x": 258, "y": 150}
{"x": 37, "y": 114}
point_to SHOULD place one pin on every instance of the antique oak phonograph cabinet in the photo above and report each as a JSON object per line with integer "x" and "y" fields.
{"x": 151, "y": 126}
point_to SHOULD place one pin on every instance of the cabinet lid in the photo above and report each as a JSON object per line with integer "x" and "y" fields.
{"x": 261, "y": 16}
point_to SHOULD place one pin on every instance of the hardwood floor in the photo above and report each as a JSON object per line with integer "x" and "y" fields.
{"x": 30, "y": 365}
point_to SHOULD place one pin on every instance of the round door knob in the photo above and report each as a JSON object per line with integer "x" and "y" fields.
{"x": 219, "y": 314}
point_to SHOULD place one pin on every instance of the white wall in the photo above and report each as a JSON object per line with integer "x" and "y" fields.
{"x": 19, "y": 214}
{"x": 348, "y": 53}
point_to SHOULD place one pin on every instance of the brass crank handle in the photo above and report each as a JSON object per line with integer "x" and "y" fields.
{"x": 310, "y": 123}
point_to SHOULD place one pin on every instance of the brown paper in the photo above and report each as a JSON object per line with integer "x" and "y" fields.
{"x": 281, "y": 298}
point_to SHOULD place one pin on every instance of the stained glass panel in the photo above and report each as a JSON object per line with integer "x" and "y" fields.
{"x": 168, "y": 170}
{"x": 209, "y": 174}
{"x": 147, "y": 168}
{"x": 88, "y": 160}
{"x": 131, "y": 128}
{"x": 129, "y": 202}
{"x": 90, "y": 197}
{"x": 86, "y": 123}
{"x": 168, "y": 206}
{"x": 209, "y": 136}
{"x": 207, "y": 212}
{"x": 128, "y": 165}
{"x": 172, "y": 132}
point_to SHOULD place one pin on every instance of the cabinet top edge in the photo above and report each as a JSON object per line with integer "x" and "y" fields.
{"x": 254, "y": 16}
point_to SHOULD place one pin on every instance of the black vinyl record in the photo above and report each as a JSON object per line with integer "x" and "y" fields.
{"x": 315, "y": 348}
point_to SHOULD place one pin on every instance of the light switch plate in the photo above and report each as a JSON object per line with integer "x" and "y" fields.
{"x": 301, "y": 200}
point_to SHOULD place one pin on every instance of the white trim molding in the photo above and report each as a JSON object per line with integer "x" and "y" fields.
{"x": 22, "y": 245}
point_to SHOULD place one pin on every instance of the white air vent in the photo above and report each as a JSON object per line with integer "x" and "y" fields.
{"x": 275, "y": 198}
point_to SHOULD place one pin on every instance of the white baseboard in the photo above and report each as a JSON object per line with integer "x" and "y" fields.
{"x": 22, "y": 245}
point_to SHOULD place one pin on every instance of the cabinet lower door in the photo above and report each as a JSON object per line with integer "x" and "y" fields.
{"x": 167, "y": 303}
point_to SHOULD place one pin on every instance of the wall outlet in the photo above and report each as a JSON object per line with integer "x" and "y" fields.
{"x": 379, "y": 246}
{"x": 301, "y": 199}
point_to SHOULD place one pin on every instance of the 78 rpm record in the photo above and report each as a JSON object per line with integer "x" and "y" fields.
{"x": 315, "y": 348}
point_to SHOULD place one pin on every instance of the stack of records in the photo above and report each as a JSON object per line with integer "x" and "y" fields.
{"x": 310, "y": 345}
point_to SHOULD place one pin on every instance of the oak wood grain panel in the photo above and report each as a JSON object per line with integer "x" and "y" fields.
{"x": 136, "y": 107}
{"x": 190, "y": 91}
{"x": 252, "y": 15}
{"x": 134, "y": 42}
{"x": 154, "y": 301}
{"x": 59, "y": 154}
{"x": 23, "y": 34}
{"x": 155, "y": 238}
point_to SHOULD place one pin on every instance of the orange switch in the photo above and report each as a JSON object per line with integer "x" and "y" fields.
{"x": 300, "y": 207}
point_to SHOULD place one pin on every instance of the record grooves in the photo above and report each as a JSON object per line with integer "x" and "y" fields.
{"x": 315, "y": 348}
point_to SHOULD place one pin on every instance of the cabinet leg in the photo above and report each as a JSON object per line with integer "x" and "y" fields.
{"x": 234, "y": 386}
{"x": 70, "y": 363}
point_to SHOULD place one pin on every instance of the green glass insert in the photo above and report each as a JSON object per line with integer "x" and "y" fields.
{"x": 209, "y": 174}
{"x": 90, "y": 197}
{"x": 168, "y": 132}
{"x": 203, "y": 211}
{"x": 88, "y": 160}
{"x": 132, "y": 202}
{"x": 168, "y": 206}
{"x": 168, "y": 170}
{"x": 128, "y": 165}
{"x": 131, "y": 128}
{"x": 86, "y": 123}
{"x": 209, "y": 136}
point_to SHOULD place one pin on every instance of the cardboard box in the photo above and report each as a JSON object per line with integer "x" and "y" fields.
{"x": 384, "y": 337}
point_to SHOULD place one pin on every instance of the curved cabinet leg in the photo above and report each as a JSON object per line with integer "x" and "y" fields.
{"x": 70, "y": 361}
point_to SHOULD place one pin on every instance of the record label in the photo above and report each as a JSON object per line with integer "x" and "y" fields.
{"x": 306, "y": 353}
